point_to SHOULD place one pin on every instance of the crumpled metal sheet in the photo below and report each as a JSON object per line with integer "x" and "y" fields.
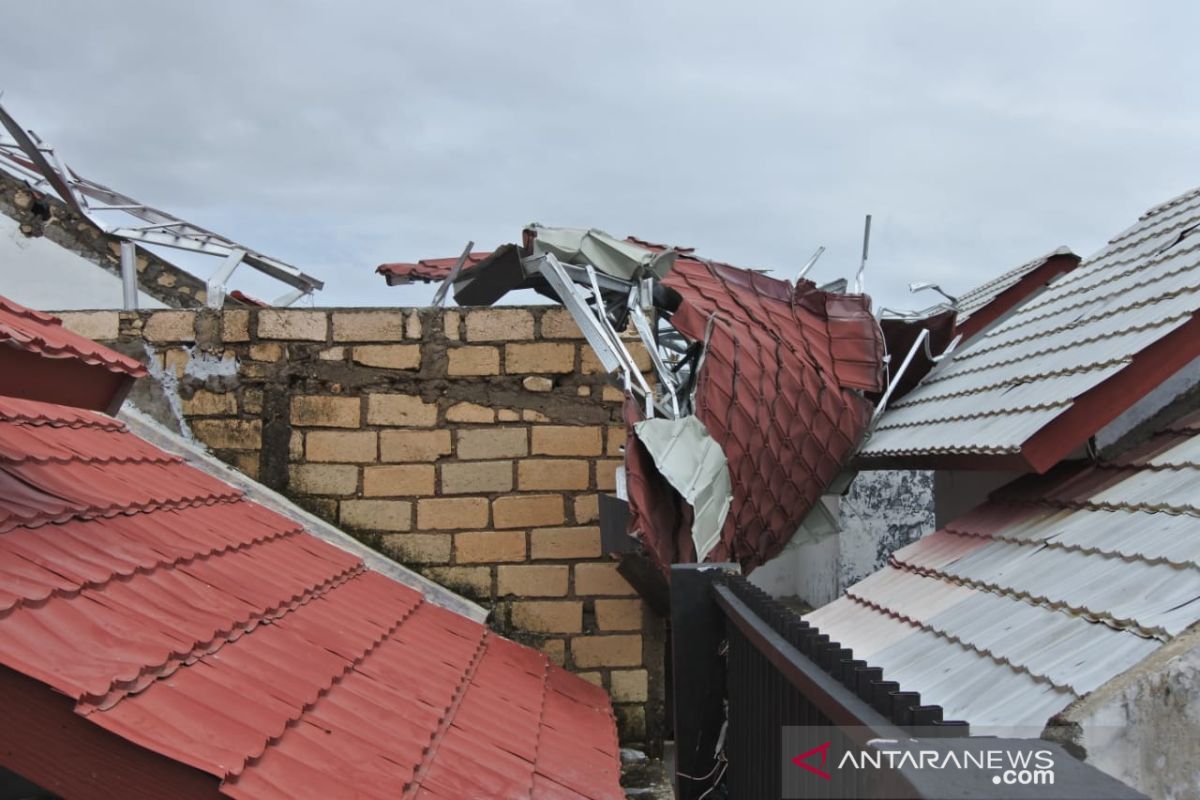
{"x": 694, "y": 465}
{"x": 613, "y": 256}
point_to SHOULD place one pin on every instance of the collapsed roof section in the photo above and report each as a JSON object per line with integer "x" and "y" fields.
{"x": 776, "y": 380}
{"x": 24, "y": 155}
{"x": 1037, "y": 384}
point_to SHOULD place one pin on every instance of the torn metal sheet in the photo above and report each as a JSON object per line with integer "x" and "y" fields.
{"x": 693, "y": 463}
{"x": 612, "y": 256}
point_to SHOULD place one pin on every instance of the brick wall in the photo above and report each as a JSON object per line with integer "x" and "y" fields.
{"x": 468, "y": 444}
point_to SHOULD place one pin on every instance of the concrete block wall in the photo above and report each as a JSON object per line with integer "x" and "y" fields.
{"x": 469, "y": 444}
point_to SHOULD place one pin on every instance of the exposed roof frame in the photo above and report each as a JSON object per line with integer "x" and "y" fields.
{"x": 27, "y": 156}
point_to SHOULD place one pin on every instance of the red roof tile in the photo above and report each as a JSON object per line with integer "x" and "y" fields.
{"x": 43, "y": 334}
{"x": 202, "y": 627}
{"x": 427, "y": 270}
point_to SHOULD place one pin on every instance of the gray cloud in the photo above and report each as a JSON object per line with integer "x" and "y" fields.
{"x": 979, "y": 135}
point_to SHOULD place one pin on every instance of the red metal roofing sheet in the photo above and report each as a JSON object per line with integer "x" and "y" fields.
{"x": 200, "y": 626}
{"x": 780, "y": 391}
{"x": 44, "y": 335}
{"x": 427, "y": 270}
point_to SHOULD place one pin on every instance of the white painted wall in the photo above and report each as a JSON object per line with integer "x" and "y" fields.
{"x": 40, "y": 274}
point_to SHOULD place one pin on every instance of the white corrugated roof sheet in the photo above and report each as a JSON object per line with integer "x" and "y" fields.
{"x": 1083, "y": 330}
{"x": 1053, "y": 587}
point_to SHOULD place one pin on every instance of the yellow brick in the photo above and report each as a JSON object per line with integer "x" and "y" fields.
{"x": 205, "y": 404}
{"x": 170, "y": 326}
{"x": 398, "y": 481}
{"x": 555, "y": 650}
{"x": 606, "y": 471}
{"x": 356, "y": 447}
{"x": 629, "y": 686}
{"x": 499, "y": 324}
{"x": 92, "y": 324}
{"x": 527, "y": 511}
{"x": 229, "y": 434}
{"x": 537, "y": 383}
{"x": 323, "y": 411}
{"x": 548, "y": 616}
{"x": 507, "y": 415}
{"x": 451, "y": 325}
{"x": 611, "y": 394}
{"x": 332, "y": 354}
{"x": 368, "y": 326}
{"x": 529, "y": 415}
{"x": 379, "y": 515}
{"x": 473, "y": 361}
{"x": 589, "y": 364}
{"x": 594, "y": 678}
{"x": 477, "y": 477}
{"x": 489, "y": 546}
{"x": 481, "y": 443}
{"x": 565, "y": 543}
{"x": 247, "y": 463}
{"x": 600, "y": 579}
{"x": 619, "y": 615}
{"x": 235, "y": 326}
{"x": 542, "y": 357}
{"x": 631, "y": 722}
{"x": 418, "y": 548}
{"x": 622, "y": 650}
{"x": 470, "y": 412}
{"x": 388, "y": 356}
{"x": 558, "y": 324}
{"x": 552, "y": 473}
{"x": 452, "y": 513}
{"x": 473, "y": 581}
{"x": 400, "y": 409}
{"x": 526, "y": 580}
{"x": 252, "y": 401}
{"x": 323, "y": 479}
{"x": 616, "y": 436}
{"x": 412, "y": 325}
{"x": 413, "y": 445}
{"x": 308, "y": 326}
{"x": 567, "y": 440}
{"x": 270, "y": 352}
{"x": 587, "y": 508}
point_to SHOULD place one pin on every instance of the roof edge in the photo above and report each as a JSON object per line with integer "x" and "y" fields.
{"x": 1060, "y": 262}
{"x": 143, "y": 426}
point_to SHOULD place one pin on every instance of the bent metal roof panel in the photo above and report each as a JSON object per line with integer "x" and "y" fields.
{"x": 207, "y": 629}
{"x": 1067, "y": 361}
{"x": 1057, "y": 584}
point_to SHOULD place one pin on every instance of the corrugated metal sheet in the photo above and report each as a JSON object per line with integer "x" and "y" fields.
{"x": 1056, "y": 585}
{"x": 45, "y": 336}
{"x": 1080, "y": 333}
{"x": 210, "y": 630}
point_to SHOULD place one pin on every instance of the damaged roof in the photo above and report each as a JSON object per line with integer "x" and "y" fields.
{"x": 1054, "y": 586}
{"x": 777, "y": 374}
{"x": 1066, "y": 362}
{"x": 990, "y": 301}
{"x": 202, "y": 627}
{"x": 427, "y": 270}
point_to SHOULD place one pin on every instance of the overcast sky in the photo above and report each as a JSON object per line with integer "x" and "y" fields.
{"x": 338, "y": 136}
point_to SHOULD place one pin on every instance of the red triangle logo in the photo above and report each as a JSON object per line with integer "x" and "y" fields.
{"x": 802, "y": 759}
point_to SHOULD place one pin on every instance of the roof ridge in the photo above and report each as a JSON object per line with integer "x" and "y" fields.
{"x": 118, "y": 689}
{"x": 969, "y": 646}
{"x": 1141, "y": 264}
